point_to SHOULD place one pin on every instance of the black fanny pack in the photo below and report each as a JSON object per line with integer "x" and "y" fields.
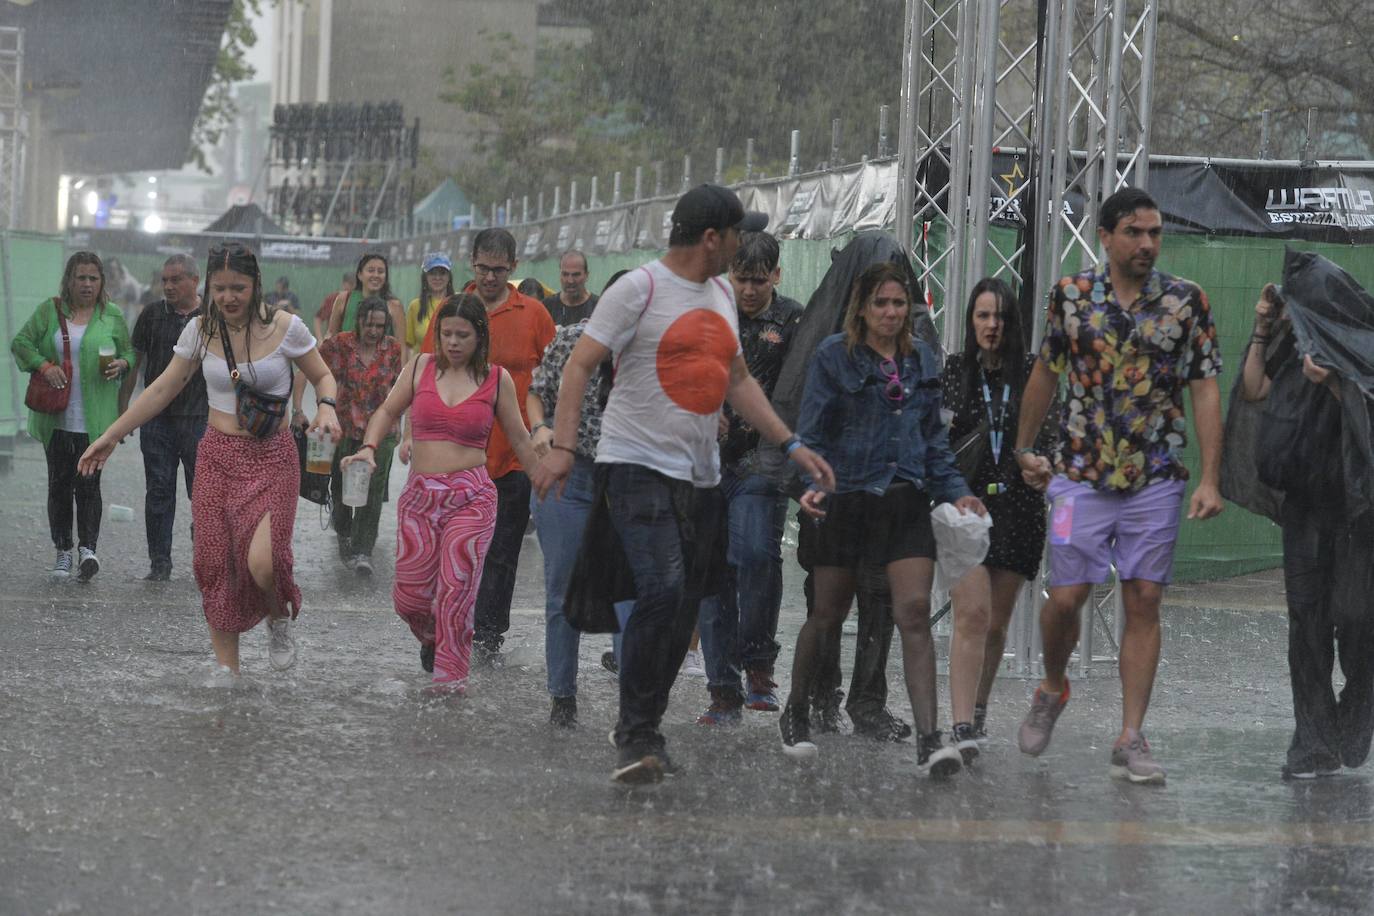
{"x": 260, "y": 415}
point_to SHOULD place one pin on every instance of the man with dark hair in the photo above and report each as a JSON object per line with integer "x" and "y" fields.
{"x": 575, "y": 301}
{"x": 738, "y": 627}
{"x": 520, "y": 330}
{"x": 1131, "y": 339}
{"x": 282, "y": 297}
{"x": 671, "y": 327}
{"x": 173, "y": 436}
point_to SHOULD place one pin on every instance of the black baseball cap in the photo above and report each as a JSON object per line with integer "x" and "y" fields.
{"x": 710, "y": 206}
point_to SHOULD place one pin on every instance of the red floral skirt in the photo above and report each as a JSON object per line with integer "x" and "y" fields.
{"x": 238, "y": 481}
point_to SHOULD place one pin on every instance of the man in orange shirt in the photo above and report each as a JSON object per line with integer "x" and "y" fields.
{"x": 520, "y": 331}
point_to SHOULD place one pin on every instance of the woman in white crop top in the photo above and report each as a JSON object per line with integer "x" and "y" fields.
{"x": 244, "y": 502}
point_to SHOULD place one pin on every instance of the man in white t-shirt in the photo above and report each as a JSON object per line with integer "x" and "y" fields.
{"x": 671, "y": 329}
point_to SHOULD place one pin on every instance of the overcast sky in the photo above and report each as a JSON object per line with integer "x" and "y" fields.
{"x": 260, "y": 55}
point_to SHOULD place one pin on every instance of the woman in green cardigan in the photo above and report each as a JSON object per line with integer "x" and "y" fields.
{"x": 93, "y": 323}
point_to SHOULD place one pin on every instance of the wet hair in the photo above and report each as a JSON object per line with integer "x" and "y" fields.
{"x": 468, "y": 307}
{"x": 385, "y": 291}
{"x": 496, "y": 242}
{"x": 1012, "y": 349}
{"x": 369, "y": 305}
{"x": 758, "y": 254}
{"x": 614, "y": 277}
{"x": 866, "y": 286}
{"x": 685, "y": 236}
{"x": 185, "y": 262}
{"x": 425, "y": 303}
{"x": 574, "y": 253}
{"x": 1123, "y": 203}
{"x": 237, "y": 258}
{"x": 532, "y": 288}
{"x": 69, "y": 280}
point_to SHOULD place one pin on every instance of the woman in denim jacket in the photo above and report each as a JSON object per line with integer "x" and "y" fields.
{"x": 871, "y": 408}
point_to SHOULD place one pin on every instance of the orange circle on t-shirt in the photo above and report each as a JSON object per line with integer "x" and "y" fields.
{"x": 694, "y": 358}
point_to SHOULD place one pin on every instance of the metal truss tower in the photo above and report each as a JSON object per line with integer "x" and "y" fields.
{"x": 13, "y": 127}
{"x": 1065, "y": 110}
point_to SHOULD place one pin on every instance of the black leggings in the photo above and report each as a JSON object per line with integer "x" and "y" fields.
{"x": 64, "y": 450}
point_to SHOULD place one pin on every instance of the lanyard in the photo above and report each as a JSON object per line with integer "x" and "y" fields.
{"x": 995, "y": 431}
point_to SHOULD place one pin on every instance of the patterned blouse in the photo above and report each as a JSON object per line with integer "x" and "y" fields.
{"x": 548, "y": 375}
{"x": 362, "y": 386}
{"x": 1122, "y": 422}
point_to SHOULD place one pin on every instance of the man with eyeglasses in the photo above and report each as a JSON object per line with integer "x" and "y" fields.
{"x": 171, "y": 438}
{"x": 520, "y": 330}
{"x": 672, "y": 329}
{"x": 1131, "y": 339}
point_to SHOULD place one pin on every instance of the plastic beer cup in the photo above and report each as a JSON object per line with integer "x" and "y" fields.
{"x": 107, "y": 356}
{"x": 319, "y": 452}
{"x": 357, "y": 480}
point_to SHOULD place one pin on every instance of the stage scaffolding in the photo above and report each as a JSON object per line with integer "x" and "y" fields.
{"x": 1082, "y": 83}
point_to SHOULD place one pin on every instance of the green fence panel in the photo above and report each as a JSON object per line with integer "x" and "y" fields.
{"x": 33, "y": 264}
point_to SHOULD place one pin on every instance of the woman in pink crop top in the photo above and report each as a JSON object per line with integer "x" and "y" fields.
{"x": 446, "y": 514}
{"x": 244, "y": 503}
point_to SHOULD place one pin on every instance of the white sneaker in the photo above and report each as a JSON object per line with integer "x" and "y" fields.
{"x": 281, "y": 651}
{"x": 222, "y": 678}
{"x": 362, "y": 565}
{"x": 88, "y": 566}
{"x": 691, "y": 665}
{"x": 62, "y": 566}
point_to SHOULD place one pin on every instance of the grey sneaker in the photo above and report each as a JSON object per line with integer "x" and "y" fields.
{"x": 362, "y": 564}
{"x": 1038, "y": 726}
{"x": 281, "y": 651}
{"x": 62, "y": 566}
{"x": 88, "y": 564}
{"x": 1133, "y": 761}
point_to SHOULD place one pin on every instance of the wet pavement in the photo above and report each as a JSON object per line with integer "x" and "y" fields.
{"x": 127, "y": 786}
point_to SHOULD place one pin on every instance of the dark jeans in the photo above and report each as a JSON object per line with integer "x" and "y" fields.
{"x": 356, "y": 528}
{"x": 868, "y": 684}
{"x": 756, "y": 515}
{"x": 166, "y": 442}
{"x": 491, "y": 619}
{"x": 64, "y": 449}
{"x": 647, "y": 519}
{"x": 1330, "y": 614}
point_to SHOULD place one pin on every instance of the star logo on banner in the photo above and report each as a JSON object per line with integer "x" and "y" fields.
{"x": 1012, "y": 177}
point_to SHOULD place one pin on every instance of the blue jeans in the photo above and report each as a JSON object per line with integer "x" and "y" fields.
{"x": 739, "y": 628}
{"x": 559, "y": 521}
{"x": 657, "y": 633}
{"x": 166, "y": 442}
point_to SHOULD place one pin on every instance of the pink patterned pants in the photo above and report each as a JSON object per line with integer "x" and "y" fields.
{"x": 444, "y": 526}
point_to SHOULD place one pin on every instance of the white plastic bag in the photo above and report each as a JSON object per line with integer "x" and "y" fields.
{"x": 961, "y": 540}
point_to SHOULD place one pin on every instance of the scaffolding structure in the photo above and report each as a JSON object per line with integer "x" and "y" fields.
{"x": 1072, "y": 108}
{"x": 13, "y": 126}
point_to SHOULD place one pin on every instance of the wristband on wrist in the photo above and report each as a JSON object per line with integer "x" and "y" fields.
{"x": 368, "y": 445}
{"x": 329, "y": 401}
{"x": 789, "y": 445}
{"x": 542, "y": 424}
{"x": 1026, "y": 450}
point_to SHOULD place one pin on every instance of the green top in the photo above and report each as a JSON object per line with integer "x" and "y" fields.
{"x": 350, "y": 314}
{"x": 35, "y": 344}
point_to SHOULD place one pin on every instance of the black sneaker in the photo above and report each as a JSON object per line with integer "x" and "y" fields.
{"x": 934, "y": 758}
{"x": 1312, "y": 768}
{"x": 427, "y": 658}
{"x": 964, "y": 741}
{"x": 159, "y": 572}
{"x": 980, "y": 723}
{"x": 796, "y": 733}
{"x": 638, "y": 767}
{"x": 608, "y": 662}
{"x": 880, "y": 726}
{"x": 564, "y": 712}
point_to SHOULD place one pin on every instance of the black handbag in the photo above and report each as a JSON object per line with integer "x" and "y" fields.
{"x": 969, "y": 451}
{"x": 314, "y": 487}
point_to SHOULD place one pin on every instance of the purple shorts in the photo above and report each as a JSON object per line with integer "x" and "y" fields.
{"x": 1091, "y": 531}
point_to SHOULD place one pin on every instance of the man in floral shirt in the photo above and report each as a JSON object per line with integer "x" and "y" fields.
{"x": 1128, "y": 339}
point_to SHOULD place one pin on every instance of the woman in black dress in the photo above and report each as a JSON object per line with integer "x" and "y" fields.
{"x": 982, "y": 387}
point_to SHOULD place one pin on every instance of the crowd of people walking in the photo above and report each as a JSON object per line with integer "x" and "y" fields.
{"x": 637, "y": 429}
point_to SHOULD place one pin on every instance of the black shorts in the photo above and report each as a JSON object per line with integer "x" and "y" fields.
{"x": 862, "y": 527}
